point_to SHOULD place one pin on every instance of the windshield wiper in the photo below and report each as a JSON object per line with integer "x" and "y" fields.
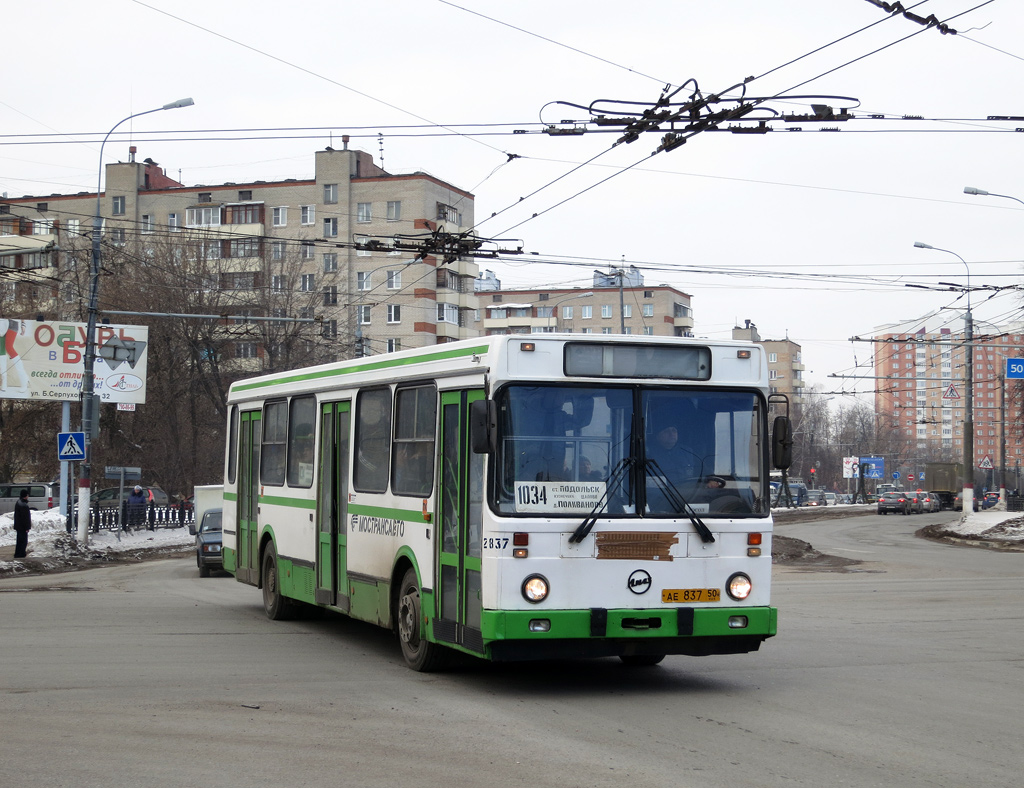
{"x": 614, "y": 482}
{"x": 676, "y": 499}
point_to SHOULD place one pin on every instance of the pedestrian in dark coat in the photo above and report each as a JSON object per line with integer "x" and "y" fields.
{"x": 137, "y": 507}
{"x": 22, "y": 524}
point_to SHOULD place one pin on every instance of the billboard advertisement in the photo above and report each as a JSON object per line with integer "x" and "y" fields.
{"x": 44, "y": 360}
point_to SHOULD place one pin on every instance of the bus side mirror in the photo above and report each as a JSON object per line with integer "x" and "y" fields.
{"x": 782, "y": 443}
{"x": 483, "y": 426}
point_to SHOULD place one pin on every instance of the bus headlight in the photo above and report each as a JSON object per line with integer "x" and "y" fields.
{"x": 535, "y": 589}
{"x": 738, "y": 586}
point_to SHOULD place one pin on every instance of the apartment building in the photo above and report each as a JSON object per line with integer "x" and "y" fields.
{"x": 920, "y": 391}
{"x": 318, "y": 249}
{"x": 604, "y": 308}
{"x": 785, "y": 365}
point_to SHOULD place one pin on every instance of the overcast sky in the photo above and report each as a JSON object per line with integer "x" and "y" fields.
{"x": 808, "y": 234}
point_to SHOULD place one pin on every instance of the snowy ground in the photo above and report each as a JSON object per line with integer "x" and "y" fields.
{"x": 50, "y": 546}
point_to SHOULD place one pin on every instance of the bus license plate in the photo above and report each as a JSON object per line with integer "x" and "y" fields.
{"x": 675, "y": 595}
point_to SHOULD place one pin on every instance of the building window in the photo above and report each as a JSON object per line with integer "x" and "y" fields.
{"x": 147, "y": 224}
{"x": 586, "y": 312}
{"x": 394, "y": 313}
{"x": 648, "y": 331}
{"x": 278, "y": 283}
{"x": 307, "y": 251}
{"x": 244, "y": 214}
{"x": 606, "y": 330}
{"x": 307, "y": 283}
{"x": 244, "y": 247}
{"x": 447, "y": 213}
{"x": 587, "y": 331}
{"x": 117, "y": 236}
{"x": 566, "y": 313}
{"x": 627, "y": 310}
{"x": 363, "y": 281}
{"x": 43, "y": 227}
{"x": 363, "y": 311}
{"x": 545, "y": 311}
{"x": 774, "y": 357}
{"x": 448, "y": 313}
{"x": 331, "y": 228}
{"x": 648, "y": 310}
{"x": 330, "y": 193}
{"x": 394, "y": 280}
{"x": 681, "y": 310}
{"x": 648, "y": 294}
{"x": 363, "y": 212}
{"x": 394, "y": 345}
{"x": 307, "y": 214}
{"x": 173, "y": 222}
{"x": 331, "y": 295}
{"x": 394, "y": 210}
{"x": 606, "y": 310}
{"x": 117, "y": 206}
{"x": 329, "y": 330}
{"x": 203, "y": 217}
{"x": 330, "y": 262}
{"x": 362, "y": 252}
{"x": 277, "y": 250}
{"x": 279, "y": 216}
{"x": 245, "y": 350}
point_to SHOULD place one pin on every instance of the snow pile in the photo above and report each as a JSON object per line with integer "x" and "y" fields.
{"x": 50, "y": 543}
{"x": 991, "y": 524}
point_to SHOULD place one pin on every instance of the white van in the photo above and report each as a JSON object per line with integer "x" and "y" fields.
{"x": 40, "y": 496}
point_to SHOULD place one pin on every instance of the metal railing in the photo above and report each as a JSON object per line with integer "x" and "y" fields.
{"x": 150, "y": 518}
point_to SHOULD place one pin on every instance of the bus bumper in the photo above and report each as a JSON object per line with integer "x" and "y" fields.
{"x": 551, "y": 634}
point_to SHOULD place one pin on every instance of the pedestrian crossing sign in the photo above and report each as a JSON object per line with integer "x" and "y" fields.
{"x": 951, "y": 392}
{"x": 71, "y": 446}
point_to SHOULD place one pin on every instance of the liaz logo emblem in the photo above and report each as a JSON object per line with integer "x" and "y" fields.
{"x": 639, "y": 582}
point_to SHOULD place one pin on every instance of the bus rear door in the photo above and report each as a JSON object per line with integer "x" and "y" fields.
{"x": 460, "y": 499}
{"x": 332, "y": 505}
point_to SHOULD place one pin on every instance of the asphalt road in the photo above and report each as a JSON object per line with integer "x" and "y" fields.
{"x": 905, "y": 671}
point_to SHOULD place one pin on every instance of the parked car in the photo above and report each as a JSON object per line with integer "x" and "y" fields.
{"x": 893, "y": 502}
{"x": 831, "y": 498}
{"x": 917, "y": 501}
{"x": 209, "y": 539}
{"x": 815, "y": 498}
{"x": 990, "y": 500}
{"x": 107, "y": 498}
{"x": 40, "y": 496}
{"x": 958, "y": 503}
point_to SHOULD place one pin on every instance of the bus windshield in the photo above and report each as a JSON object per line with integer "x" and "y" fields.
{"x": 629, "y": 451}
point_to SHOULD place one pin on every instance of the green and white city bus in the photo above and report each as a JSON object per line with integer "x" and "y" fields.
{"x": 514, "y": 497}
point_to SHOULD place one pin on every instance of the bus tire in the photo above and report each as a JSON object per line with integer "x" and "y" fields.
{"x": 641, "y": 660}
{"x": 419, "y": 654}
{"x": 277, "y": 607}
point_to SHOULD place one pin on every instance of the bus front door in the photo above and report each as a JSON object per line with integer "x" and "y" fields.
{"x": 332, "y": 503}
{"x": 460, "y": 499}
{"x": 250, "y": 436}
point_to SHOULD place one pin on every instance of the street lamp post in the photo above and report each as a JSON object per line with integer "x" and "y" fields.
{"x": 968, "y": 459}
{"x": 89, "y": 415}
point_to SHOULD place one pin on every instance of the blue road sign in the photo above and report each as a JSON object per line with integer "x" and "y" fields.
{"x": 895, "y": 474}
{"x": 70, "y": 446}
{"x": 1015, "y": 367}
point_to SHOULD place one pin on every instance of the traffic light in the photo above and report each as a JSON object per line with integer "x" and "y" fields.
{"x": 812, "y": 478}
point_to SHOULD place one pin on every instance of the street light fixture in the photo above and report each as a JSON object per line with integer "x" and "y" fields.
{"x": 968, "y": 458}
{"x": 89, "y": 415}
{"x": 983, "y": 193}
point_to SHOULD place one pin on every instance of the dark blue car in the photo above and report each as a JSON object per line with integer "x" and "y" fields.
{"x": 209, "y": 538}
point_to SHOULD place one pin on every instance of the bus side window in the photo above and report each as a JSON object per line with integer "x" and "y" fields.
{"x": 373, "y": 440}
{"x": 275, "y": 421}
{"x": 300, "y": 441}
{"x": 413, "y": 460}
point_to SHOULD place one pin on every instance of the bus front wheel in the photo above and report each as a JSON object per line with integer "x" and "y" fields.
{"x": 419, "y": 654}
{"x": 278, "y": 608}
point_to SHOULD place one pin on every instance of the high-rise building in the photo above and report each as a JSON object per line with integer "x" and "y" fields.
{"x": 920, "y": 389}
{"x": 785, "y": 365}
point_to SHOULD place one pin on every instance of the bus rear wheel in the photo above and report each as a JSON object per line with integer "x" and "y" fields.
{"x": 419, "y": 654}
{"x": 277, "y": 607}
